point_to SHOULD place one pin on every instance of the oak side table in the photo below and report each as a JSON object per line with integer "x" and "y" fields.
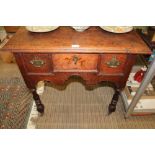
{"x": 94, "y": 55}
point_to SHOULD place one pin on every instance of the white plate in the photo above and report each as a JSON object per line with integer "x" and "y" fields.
{"x": 80, "y": 28}
{"x": 41, "y": 28}
{"x": 117, "y": 29}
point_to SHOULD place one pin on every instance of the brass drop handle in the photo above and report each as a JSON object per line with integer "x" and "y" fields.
{"x": 37, "y": 62}
{"x": 113, "y": 63}
{"x": 75, "y": 59}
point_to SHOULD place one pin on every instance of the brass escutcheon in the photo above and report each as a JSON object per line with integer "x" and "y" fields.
{"x": 75, "y": 59}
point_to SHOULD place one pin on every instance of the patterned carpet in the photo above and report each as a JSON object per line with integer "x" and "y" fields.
{"x": 79, "y": 108}
{"x": 15, "y": 103}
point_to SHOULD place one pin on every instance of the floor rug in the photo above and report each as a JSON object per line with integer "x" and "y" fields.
{"x": 15, "y": 104}
{"x": 78, "y": 108}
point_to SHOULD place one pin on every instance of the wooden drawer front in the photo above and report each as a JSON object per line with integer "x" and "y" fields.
{"x": 113, "y": 64}
{"x": 36, "y": 63}
{"x": 75, "y": 62}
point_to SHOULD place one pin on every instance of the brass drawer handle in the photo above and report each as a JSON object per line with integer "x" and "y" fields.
{"x": 37, "y": 62}
{"x": 113, "y": 63}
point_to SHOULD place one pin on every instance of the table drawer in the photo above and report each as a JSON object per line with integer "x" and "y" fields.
{"x": 75, "y": 62}
{"x": 36, "y": 63}
{"x": 113, "y": 64}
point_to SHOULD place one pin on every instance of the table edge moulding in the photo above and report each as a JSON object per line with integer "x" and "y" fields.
{"x": 94, "y": 55}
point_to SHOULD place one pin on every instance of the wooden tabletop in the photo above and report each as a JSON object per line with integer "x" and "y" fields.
{"x": 66, "y": 39}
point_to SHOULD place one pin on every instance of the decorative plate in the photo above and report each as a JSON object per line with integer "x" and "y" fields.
{"x": 117, "y": 29}
{"x": 41, "y": 28}
{"x": 80, "y": 28}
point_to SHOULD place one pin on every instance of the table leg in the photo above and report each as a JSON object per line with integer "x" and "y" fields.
{"x": 112, "y": 105}
{"x": 40, "y": 106}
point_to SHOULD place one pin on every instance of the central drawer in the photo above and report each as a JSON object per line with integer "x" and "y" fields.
{"x": 75, "y": 62}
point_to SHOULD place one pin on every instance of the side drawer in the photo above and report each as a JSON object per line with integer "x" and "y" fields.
{"x": 113, "y": 64}
{"x": 36, "y": 63}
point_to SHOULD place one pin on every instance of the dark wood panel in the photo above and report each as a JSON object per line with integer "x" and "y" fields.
{"x": 88, "y": 79}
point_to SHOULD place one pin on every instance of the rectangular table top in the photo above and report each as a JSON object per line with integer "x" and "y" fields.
{"x": 66, "y": 39}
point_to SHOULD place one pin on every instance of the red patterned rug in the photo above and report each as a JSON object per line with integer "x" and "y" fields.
{"x": 15, "y": 104}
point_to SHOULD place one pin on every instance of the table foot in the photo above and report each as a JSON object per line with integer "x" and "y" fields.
{"x": 112, "y": 105}
{"x": 40, "y": 106}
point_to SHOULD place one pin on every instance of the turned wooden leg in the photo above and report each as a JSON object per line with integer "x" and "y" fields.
{"x": 112, "y": 105}
{"x": 40, "y": 106}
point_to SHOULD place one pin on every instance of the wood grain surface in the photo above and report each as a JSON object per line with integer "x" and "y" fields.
{"x": 65, "y": 39}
